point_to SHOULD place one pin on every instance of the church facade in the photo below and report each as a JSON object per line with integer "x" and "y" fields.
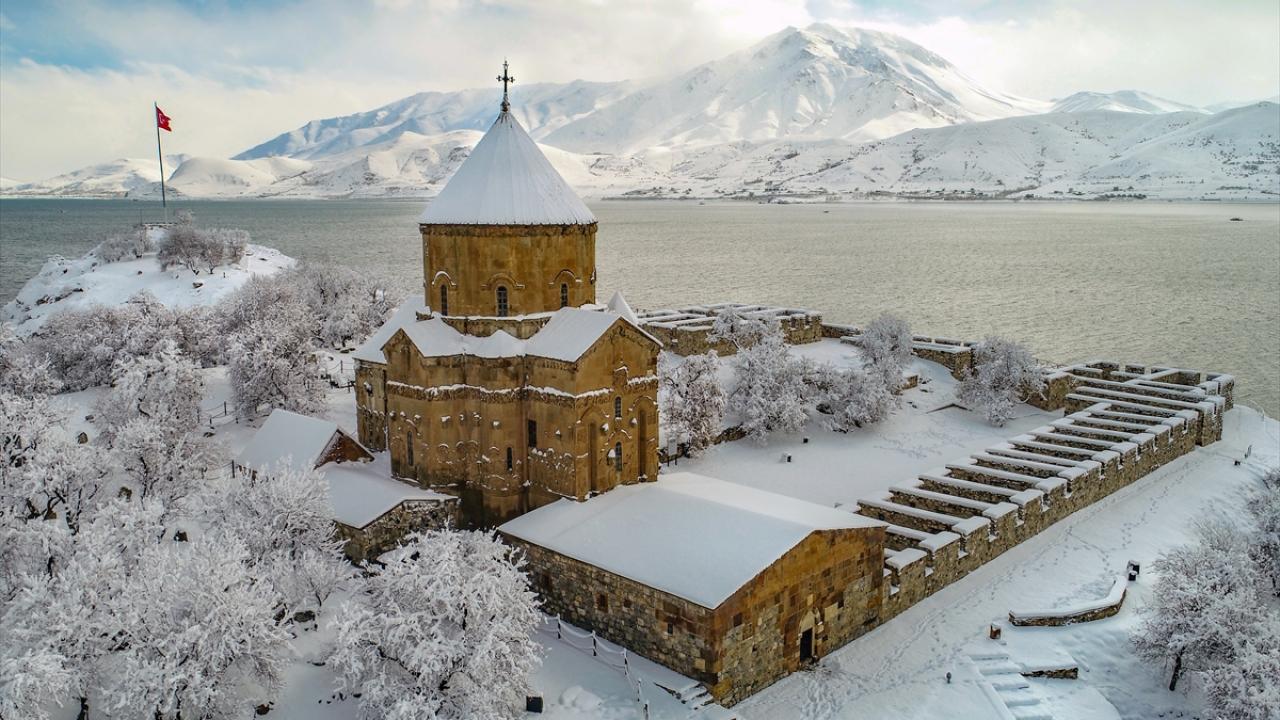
{"x": 505, "y": 383}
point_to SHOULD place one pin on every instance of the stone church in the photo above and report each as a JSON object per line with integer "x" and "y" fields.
{"x": 505, "y": 383}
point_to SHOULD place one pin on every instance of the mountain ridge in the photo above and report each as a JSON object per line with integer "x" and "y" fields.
{"x": 807, "y": 99}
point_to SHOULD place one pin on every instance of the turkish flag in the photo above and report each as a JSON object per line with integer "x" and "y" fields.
{"x": 162, "y": 120}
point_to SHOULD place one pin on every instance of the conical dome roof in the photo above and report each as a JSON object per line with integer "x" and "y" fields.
{"x": 506, "y": 181}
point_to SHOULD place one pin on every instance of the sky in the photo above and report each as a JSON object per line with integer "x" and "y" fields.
{"x": 77, "y": 78}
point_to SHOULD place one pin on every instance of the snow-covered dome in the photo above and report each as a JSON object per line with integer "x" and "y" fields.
{"x": 506, "y": 181}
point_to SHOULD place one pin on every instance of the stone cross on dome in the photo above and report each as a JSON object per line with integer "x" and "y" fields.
{"x": 504, "y": 78}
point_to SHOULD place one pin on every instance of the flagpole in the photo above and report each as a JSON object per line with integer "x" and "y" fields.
{"x": 155, "y": 116}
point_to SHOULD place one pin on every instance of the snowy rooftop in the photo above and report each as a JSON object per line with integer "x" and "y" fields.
{"x": 288, "y": 440}
{"x": 506, "y": 181}
{"x": 567, "y": 335}
{"x": 693, "y": 536}
{"x": 371, "y": 350}
{"x": 362, "y": 492}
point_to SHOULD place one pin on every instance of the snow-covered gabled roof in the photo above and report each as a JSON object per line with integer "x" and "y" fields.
{"x": 361, "y": 493}
{"x": 572, "y": 331}
{"x": 436, "y": 338}
{"x": 692, "y": 536}
{"x": 371, "y": 350}
{"x": 619, "y": 306}
{"x": 506, "y": 181}
{"x": 288, "y": 440}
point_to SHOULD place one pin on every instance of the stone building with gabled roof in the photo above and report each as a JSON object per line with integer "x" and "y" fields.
{"x": 505, "y": 383}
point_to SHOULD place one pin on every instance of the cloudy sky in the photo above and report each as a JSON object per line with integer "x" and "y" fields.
{"x": 77, "y": 78}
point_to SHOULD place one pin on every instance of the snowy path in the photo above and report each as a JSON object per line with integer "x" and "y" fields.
{"x": 898, "y": 669}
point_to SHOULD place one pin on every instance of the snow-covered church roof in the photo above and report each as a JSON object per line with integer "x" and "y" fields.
{"x": 506, "y": 181}
{"x": 693, "y": 536}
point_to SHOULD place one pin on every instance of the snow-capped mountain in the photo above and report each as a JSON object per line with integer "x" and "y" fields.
{"x": 819, "y": 82}
{"x": 6, "y": 183}
{"x": 540, "y": 107}
{"x": 109, "y": 179}
{"x": 806, "y": 111}
{"x": 1132, "y": 101}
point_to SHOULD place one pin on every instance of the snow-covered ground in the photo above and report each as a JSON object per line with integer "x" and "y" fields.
{"x": 65, "y": 284}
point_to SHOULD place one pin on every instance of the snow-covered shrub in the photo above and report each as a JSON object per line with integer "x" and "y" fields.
{"x": 272, "y": 363}
{"x": 1004, "y": 374}
{"x": 129, "y": 245}
{"x": 857, "y": 397}
{"x": 690, "y": 399}
{"x": 770, "y": 390}
{"x": 886, "y": 343}
{"x": 1205, "y": 600}
{"x": 444, "y": 630}
{"x": 286, "y": 524}
{"x": 163, "y": 387}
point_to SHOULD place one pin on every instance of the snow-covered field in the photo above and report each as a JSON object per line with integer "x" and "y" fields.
{"x": 76, "y": 284}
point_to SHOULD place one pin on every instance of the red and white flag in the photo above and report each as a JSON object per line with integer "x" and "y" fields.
{"x": 162, "y": 120}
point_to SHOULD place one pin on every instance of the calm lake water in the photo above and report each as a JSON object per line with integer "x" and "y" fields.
{"x": 1141, "y": 282}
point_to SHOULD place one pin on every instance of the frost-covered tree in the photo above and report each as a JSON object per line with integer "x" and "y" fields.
{"x": 286, "y": 524}
{"x": 857, "y": 397}
{"x": 691, "y": 400}
{"x": 886, "y": 343}
{"x": 443, "y": 630}
{"x": 82, "y": 347}
{"x": 741, "y": 331}
{"x": 1264, "y": 506}
{"x": 44, "y": 472}
{"x": 1248, "y": 687}
{"x": 272, "y": 363}
{"x": 1004, "y": 373}
{"x": 1206, "y": 598}
{"x": 132, "y": 244}
{"x": 163, "y": 465}
{"x": 770, "y": 390}
{"x": 22, "y": 371}
{"x": 184, "y": 246}
{"x": 163, "y": 387}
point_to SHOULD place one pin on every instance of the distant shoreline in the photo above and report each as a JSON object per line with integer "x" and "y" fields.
{"x": 769, "y": 200}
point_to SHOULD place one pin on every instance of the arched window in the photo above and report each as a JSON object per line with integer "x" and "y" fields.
{"x": 510, "y": 463}
{"x": 503, "y": 307}
{"x": 617, "y": 457}
{"x": 564, "y": 295}
{"x": 617, "y": 408}
{"x": 408, "y": 445}
{"x": 444, "y": 299}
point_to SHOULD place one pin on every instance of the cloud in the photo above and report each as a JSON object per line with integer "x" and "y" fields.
{"x": 77, "y": 80}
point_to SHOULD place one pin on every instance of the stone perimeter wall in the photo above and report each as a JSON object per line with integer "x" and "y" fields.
{"x": 1108, "y": 440}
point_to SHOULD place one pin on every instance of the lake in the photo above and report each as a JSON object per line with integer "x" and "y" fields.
{"x": 1175, "y": 283}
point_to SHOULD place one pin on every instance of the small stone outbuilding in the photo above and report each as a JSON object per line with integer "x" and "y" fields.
{"x": 732, "y": 586}
{"x": 371, "y": 512}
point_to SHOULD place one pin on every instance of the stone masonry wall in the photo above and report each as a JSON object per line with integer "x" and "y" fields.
{"x": 389, "y": 529}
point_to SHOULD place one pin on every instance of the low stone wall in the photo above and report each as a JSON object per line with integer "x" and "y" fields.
{"x": 1101, "y": 446}
{"x": 686, "y": 331}
{"x": 389, "y": 529}
{"x": 1088, "y": 612}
